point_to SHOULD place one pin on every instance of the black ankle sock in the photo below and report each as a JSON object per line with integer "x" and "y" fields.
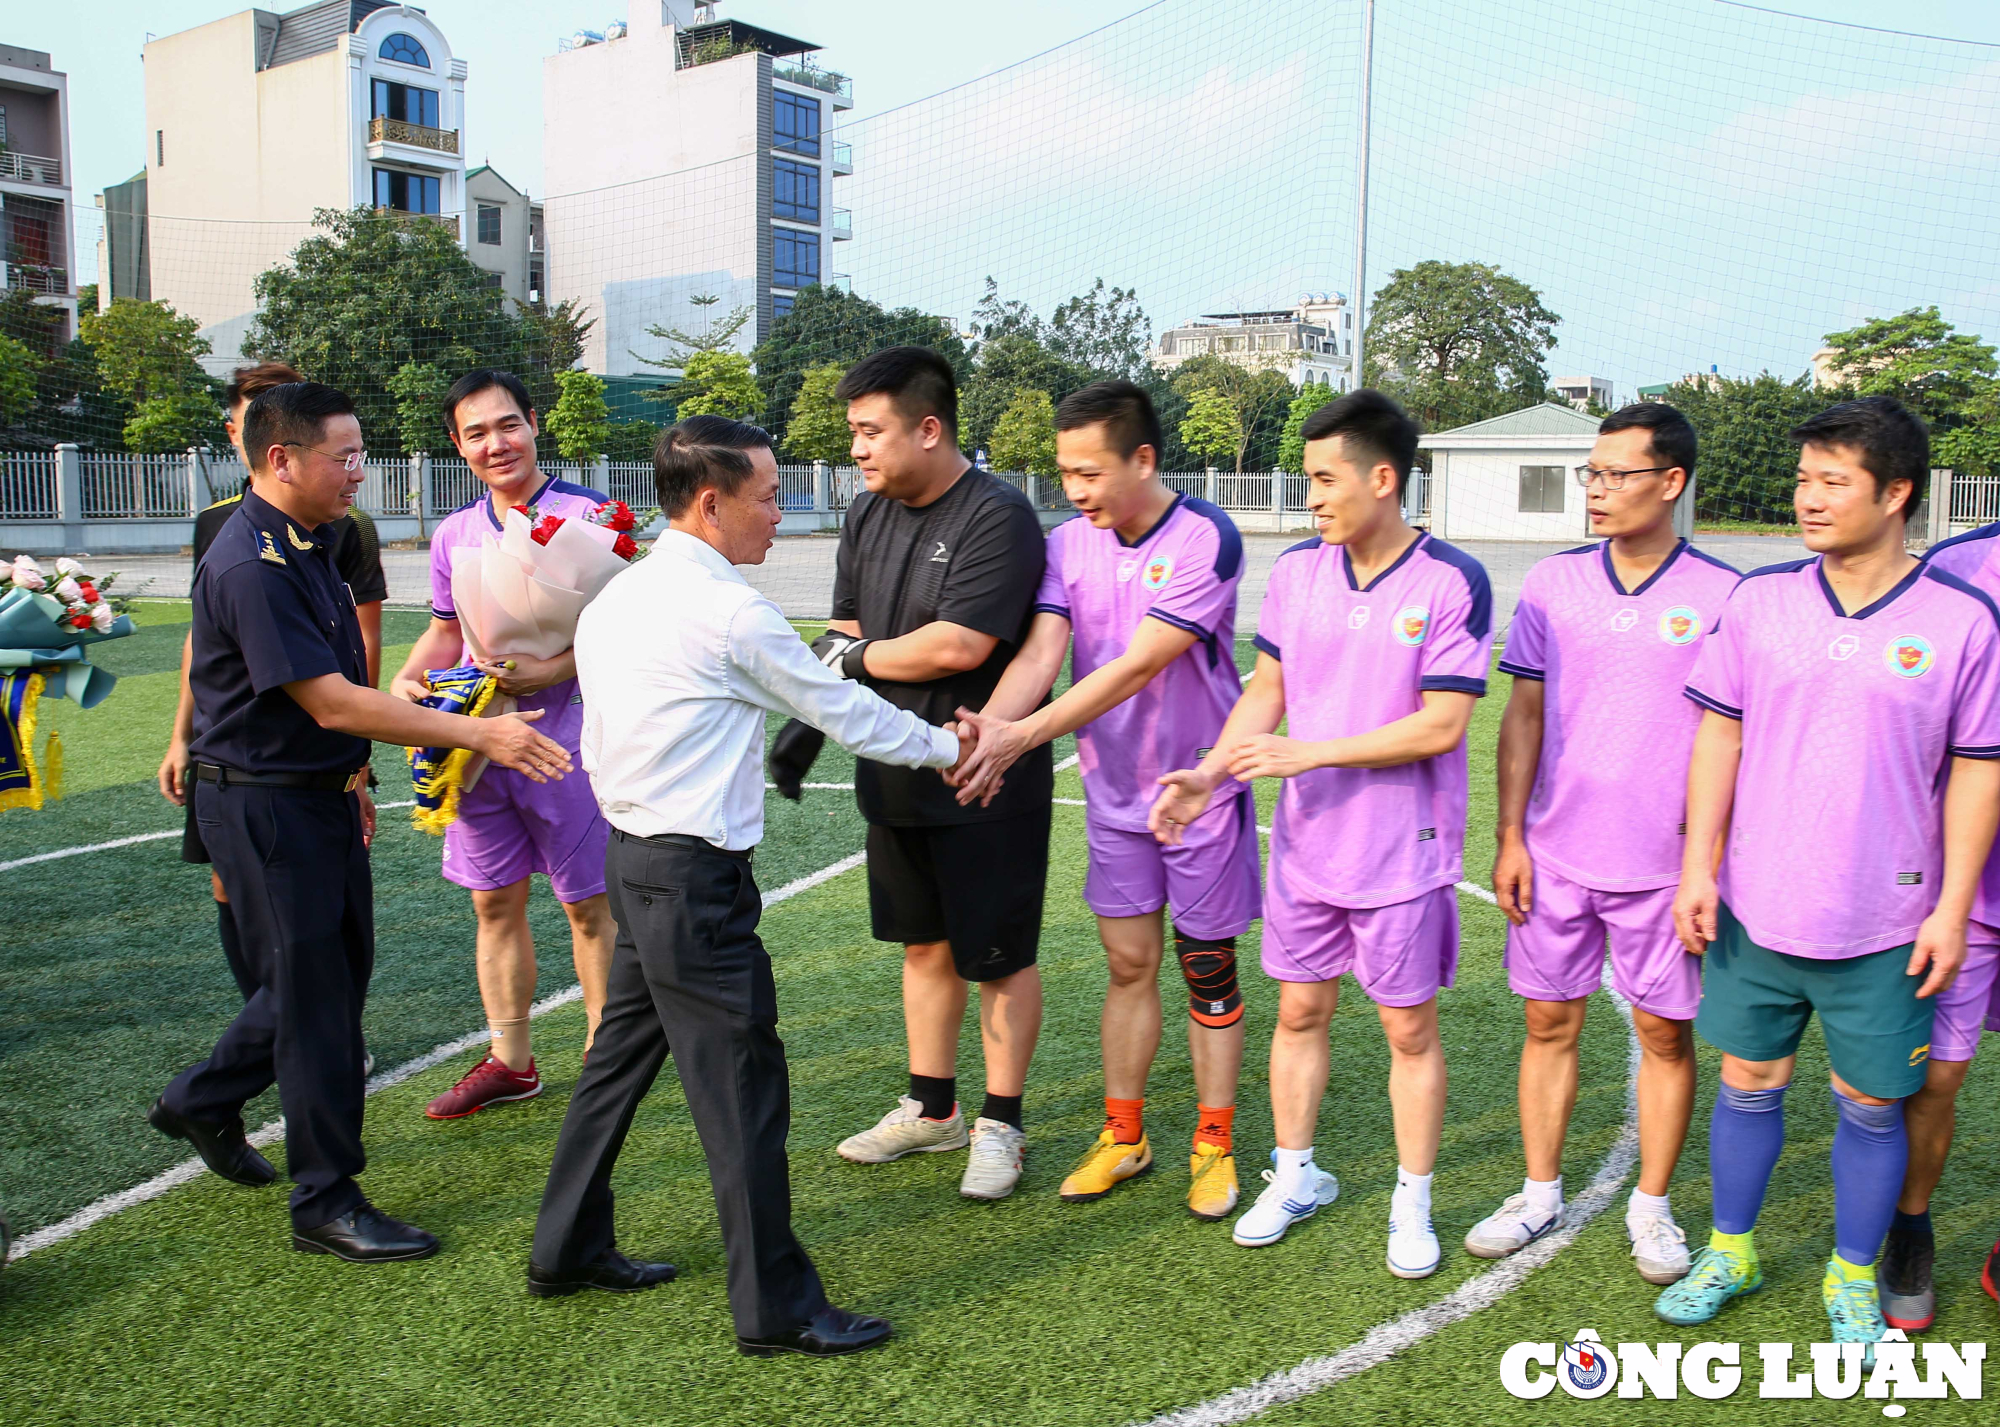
{"x": 1004, "y": 1108}
{"x": 1918, "y": 1224}
{"x": 936, "y": 1093}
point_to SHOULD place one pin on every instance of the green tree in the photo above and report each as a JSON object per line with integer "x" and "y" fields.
{"x": 818, "y": 428}
{"x": 368, "y": 294}
{"x": 1024, "y": 438}
{"x": 146, "y": 351}
{"x": 713, "y": 337}
{"x": 1748, "y": 465}
{"x": 829, "y": 325}
{"x": 1212, "y": 428}
{"x": 1260, "y": 396}
{"x": 418, "y": 389}
{"x": 1292, "y": 441}
{"x": 717, "y": 384}
{"x": 630, "y": 440}
{"x": 70, "y": 402}
{"x": 1007, "y": 364}
{"x": 19, "y": 367}
{"x": 1103, "y": 330}
{"x": 1973, "y": 446}
{"x": 176, "y": 422}
{"x": 1458, "y": 342}
{"x": 1919, "y": 359}
{"x": 579, "y": 421}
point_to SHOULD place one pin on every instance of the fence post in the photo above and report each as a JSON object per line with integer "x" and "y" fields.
{"x": 603, "y": 471}
{"x": 1940, "y": 511}
{"x": 1278, "y": 501}
{"x": 1211, "y": 489}
{"x": 197, "y": 477}
{"x": 1683, "y": 512}
{"x": 420, "y": 490}
{"x": 69, "y": 492}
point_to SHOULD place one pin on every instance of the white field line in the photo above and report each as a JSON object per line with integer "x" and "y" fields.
{"x": 274, "y": 1131}
{"x": 63, "y": 852}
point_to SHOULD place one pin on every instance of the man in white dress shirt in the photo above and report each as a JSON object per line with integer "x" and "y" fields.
{"x": 680, "y": 660}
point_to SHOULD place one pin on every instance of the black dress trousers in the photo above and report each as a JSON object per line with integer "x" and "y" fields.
{"x": 689, "y": 973}
{"x": 293, "y": 864}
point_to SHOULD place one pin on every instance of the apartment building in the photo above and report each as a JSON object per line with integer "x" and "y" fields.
{"x": 37, "y": 224}
{"x": 1310, "y": 342}
{"x": 504, "y": 234}
{"x": 688, "y": 157}
{"x": 1582, "y": 392}
{"x": 255, "y": 120}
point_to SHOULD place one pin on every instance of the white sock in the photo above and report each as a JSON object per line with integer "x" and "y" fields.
{"x": 1413, "y": 1189}
{"x": 1642, "y": 1204}
{"x": 1293, "y": 1165}
{"x": 1545, "y": 1196}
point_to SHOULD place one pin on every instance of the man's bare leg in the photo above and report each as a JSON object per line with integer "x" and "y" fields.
{"x": 592, "y": 934}
{"x": 506, "y": 960}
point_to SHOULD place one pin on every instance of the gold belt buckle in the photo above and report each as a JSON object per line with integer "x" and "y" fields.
{"x": 356, "y": 781}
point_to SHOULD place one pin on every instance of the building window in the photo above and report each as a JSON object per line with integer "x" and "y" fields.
{"x": 491, "y": 280}
{"x": 796, "y": 121}
{"x": 406, "y": 192}
{"x": 489, "y": 224}
{"x": 3, "y": 125}
{"x": 159, "y": 148}
{"x": 404, "y": 49}
{"x": 1542, "y": 490}
{"x": 797, "y": 192}
{"x": 795, "y": 259}
{"x": 781, "y": 305}
{"x": 405, "y": 102}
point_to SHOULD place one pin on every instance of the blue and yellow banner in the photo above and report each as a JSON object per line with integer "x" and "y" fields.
{"x": 439, "y": 773}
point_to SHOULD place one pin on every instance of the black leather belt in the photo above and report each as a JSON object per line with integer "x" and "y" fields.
{"x": 313, "y": 782}
{"x": 681, "y": 841}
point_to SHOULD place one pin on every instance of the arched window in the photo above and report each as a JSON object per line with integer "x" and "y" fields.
{"x": 404, "y": 49}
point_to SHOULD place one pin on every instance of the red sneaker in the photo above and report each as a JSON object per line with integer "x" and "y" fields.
{"x": 1989, "y": 1277}
{"x": 487, "y": 1083}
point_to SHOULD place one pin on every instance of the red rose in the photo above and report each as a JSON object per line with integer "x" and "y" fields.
{"x": 541, "y": 533}
{"x": 90, "y": 594}
{"x": 524, "y": 510}
{"x": 624, "y": 547}
{"x": 615, "y": 515}
{"x": 80, "y": 620}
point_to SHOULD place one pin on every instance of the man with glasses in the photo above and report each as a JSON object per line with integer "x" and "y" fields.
{"x": 282, "y": 722}
{"x": 508, "y": 826}
{"x": 1593, "y": 797}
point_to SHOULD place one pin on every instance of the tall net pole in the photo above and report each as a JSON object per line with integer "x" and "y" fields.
{"x": 1360, "y": 306}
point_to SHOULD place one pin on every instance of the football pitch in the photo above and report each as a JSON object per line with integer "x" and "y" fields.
{"x": 189, "y": 1306}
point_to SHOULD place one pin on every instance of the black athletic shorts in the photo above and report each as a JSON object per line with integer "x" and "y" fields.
{"x": 977, "y": 885}
{"x": 193, "y": 849}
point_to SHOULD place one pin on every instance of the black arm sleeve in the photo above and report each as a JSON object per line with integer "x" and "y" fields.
{"x": 991, "y": 582}
{"x": 358, "y": 556}
{"x": 845, "y": 602}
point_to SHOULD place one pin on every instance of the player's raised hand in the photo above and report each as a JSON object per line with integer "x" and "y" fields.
{"x": 977, "y": 777}
{"x": 1184, "y": 795}
{"x": 1270, "y": 756}
{"x": 1695, "y": 907}
{"x": 508, "y": 741}
{"x": 1940, "y": 945}
{"x": 1514, "y": 879}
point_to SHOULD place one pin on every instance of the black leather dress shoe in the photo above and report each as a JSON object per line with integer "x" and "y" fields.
{"x": 611, "y": 1272}
{"x": 831, "y": 1331}
{"x": 221, "y": 1147}
{"x": 366, "y": 1235}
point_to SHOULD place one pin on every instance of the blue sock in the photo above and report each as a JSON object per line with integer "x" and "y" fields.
{"x": 1871, "y": 1149}
{"x": 1745, "y": 1137}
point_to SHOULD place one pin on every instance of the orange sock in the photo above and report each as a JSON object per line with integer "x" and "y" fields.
{"x": 1125, "y": 1119}
{"x": 1215, "y": 1126}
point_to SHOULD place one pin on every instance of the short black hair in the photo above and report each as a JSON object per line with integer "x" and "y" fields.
{"x": 1372, "y": 429}
{"x": 703, "y": 451}
{"x": 1669, "y": 434}
{"x": 292, "y": 412}
{"x": 918, "y": 379}
{"x": 484, "y": 379}
{"x": 1123, "y": 409}
{"x": 1891, "y": 440}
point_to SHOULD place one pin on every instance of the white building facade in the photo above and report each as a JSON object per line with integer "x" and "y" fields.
{"x": 688, "y": 158}
{"x": 255, "y": 120}
{"x": 1312, "y": 342}
{"x": 37, "y": 215}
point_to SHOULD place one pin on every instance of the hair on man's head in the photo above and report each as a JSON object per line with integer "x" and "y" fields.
{"x": 248, "y": 383}
{"x": 484, "y": 379}
{"x": 1125, "y": 412}
{"x": 1891, "y": 441}
{"x": 294, "y": 413}
{"x": 1372, "y": 429}
{"x": 917, "y": 380}
{"x": 703, "y": 451}
{"x": 1669, "y": 435}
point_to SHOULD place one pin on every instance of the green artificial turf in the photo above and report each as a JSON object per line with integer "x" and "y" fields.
{"x": 191, "y": 1308}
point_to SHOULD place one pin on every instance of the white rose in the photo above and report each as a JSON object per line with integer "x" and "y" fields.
{"x": 67, "y": 566}
{"x": 102, "y": 618}
{"x": 69, "y": 591}
{"x": 30, "y": 579}
{"x": 26, "y": 562}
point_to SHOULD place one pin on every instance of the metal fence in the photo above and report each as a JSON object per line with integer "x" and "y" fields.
{"x": 29, "y": 485}
{"x": 118, "y": 485}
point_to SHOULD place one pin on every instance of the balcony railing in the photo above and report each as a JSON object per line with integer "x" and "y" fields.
{"x": 840, "y": 282}
{"x": 825, "y": 80}
{"x": 843, "y": 158}
{"x": 30, "y": 168}
{"x": 53, "y": 282}
{"x": 384, "y": 130}
{"x": 843, "y": 225}
{"x": 449, "y": 220}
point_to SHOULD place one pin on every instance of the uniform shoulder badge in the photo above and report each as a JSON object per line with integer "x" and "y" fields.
{"x": 299, "y": 542}
{"x": 267, "y": 548}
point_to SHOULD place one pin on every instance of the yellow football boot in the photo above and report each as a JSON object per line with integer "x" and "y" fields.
{"x": 1107, "y": 1165}
{"x": 1213, "y": 1193}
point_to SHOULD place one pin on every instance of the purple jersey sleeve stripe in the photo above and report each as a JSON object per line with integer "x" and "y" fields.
{"x": 559, "y": 486}
{"x": 1951, "y": 581}
{"x": 1266, "y": 646}
{"x": 437, "y": 613}
{"x": 1708, "y": 559}
{"x": 1206, "y": 636}
{"x": 1714, "y": 705}
{"x": 1052, "y": 609}
{"x": 1452, "y": 684}
{"x": 1785, "y": 569}
{"x": 1228, "y": 540}
{"x": 1984, "y": 532}
{"x": 1991, "y": 751}
{"x": 1312, "y": 543}
{"x": 1479, "y": 618}
{"x": 1522, "y": 671}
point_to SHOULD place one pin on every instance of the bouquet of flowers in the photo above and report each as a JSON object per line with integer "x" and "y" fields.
{"x": 46, "y": 620}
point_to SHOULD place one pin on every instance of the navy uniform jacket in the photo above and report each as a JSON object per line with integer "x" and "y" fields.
{"x": 269, "y": 609}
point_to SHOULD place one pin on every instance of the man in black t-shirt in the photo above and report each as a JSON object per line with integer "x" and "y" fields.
{"x": 933, "y": 593}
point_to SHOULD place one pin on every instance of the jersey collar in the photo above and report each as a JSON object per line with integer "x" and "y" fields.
{"x": 1611, "y": 571}
{"x": 1165, "y": 516}
{"x": 486, "y": 501}
{"x": 1347, "y": 564}
{"x": 1833, "y": 600}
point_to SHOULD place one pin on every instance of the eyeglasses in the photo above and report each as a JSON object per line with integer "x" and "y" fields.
{"x": 352, "y": 461}
{"x": 1613, "y": 480}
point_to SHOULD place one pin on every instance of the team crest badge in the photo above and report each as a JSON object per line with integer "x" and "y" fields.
{"x": 1624, "y": 619}
{"x": 1159, "y": 570}
{"x": 1588, "y": 1368}
{"x": 1909, "y": 655}
{"x": 1413, "y": 622}
{"x": 1357, "y": 618}
{"x": 1843, "y": 647}
{"x": 267, "y": 548}
{"x": 1679, "y": 625}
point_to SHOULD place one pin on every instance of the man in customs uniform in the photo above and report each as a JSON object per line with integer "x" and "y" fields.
{"x": 282, "y": 719}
